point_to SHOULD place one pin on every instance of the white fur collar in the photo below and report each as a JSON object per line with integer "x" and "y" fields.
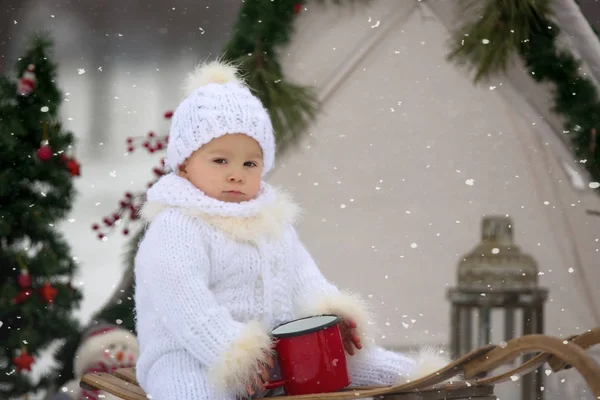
{"x": 264, "y": 216}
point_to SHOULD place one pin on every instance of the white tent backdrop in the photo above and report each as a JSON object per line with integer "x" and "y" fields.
{"x": 407, "y": 156}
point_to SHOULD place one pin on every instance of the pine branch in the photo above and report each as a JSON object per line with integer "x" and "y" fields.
{"x": 575, "y": 97}
{"x": 493, "y": 32}
{"x": 291, "y": 107}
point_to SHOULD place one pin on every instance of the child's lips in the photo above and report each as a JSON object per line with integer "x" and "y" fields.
{"x": 234, "y": 192}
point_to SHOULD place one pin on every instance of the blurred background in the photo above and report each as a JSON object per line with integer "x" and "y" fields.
{"x": 405, "y": 158}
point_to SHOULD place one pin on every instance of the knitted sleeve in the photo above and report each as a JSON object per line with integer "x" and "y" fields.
{"x": 175, "y": 269}
{"x": 378, "y": 366}
{"x": 314, "y": 294}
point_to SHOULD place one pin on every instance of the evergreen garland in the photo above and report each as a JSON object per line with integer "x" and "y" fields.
{"x": 487, "y": 41}
{"x": 575, "y": 96}
{"x": 263, "y": 27}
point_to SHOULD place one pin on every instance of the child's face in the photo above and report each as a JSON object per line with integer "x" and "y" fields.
{"x": 228, "y": 168}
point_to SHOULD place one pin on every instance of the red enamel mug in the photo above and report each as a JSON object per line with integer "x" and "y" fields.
{"x": 311, "y": 356}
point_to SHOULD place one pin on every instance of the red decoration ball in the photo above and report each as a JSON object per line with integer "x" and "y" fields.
{"x": 44, "y": 153}
{"x": 297, "y": 8}
{"x": 24, "y": 280}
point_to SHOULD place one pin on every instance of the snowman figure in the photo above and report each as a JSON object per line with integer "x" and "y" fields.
{"x": 104, "y": 348}
{"x": 27, "y": 82}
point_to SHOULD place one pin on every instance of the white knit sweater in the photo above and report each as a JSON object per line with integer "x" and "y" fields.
{"x": 213, "y": 278}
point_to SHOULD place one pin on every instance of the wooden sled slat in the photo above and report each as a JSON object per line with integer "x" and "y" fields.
{"x": 557, "y": 353}
{"x": 477, "y": 393}
{"x": 127, "y": 374}
{"x": 113, "y": 385}
{"x": 585, "y": 341}
{"x": 565, "y": 350}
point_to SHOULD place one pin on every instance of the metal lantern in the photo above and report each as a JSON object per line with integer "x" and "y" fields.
{"x": 497, "y": 275}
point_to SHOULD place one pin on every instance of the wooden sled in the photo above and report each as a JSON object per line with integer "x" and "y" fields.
{"x": 558, "y": 353}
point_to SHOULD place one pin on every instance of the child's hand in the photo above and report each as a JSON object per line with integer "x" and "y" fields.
{"x": 350, "y": 336}
{"x": 263, "y": 374}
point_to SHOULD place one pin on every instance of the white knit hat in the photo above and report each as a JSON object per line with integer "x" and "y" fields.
{"x": 218, "y": 103}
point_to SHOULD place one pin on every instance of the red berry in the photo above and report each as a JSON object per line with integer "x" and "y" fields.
{"x": 146, "y": 144}
{"x": 159, "y": 146}
{"x": 24, "y": 280}
{"x": 150, "y": 134}
{"x": 44, "y": 153}
{"x": 95, "y": 227}
{"x": 130, "y": 149}
{"x": 100, "y": 236}
{"x": 128, "y": 195}
{"x": 168, "y": 114}
{"x": 129, "y": 140}
{"x": 116, "y": 217}
{"x": 125, "y": 231}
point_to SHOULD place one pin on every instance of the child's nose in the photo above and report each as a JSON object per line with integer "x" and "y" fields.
{"x": 235, "y": 177}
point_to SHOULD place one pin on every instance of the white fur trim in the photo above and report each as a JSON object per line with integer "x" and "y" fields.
{"x": 92, "y": 348}
{"x": 428, "y": 360}
{"x": 217, "y": 71}
{"x": 343, "y": 304}
{"x": 269, "y": 222}
{"x": 239, "y": 365}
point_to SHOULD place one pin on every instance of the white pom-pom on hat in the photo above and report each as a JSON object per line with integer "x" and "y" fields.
{"x": 217, "y": 71}
{"x": 218, "y": 102}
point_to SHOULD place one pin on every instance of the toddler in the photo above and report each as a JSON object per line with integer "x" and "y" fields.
{"x": 221, "y": 265}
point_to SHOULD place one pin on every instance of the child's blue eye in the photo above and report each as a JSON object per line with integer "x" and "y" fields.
{"x": 220, "y": 161}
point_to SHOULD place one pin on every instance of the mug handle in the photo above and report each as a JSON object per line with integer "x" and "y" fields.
{"x": 274, "y": 384}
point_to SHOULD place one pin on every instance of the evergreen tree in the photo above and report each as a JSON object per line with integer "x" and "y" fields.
{"x": 36, "y": 192}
